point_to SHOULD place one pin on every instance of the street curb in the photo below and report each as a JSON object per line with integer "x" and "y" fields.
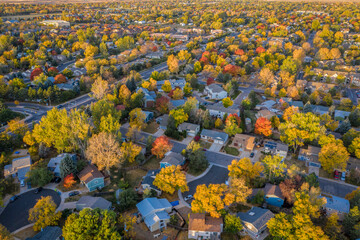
{"x": 203, "y": 174}
{"x": 22, "y": 228}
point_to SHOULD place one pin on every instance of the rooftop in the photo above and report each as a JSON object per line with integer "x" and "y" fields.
{"x": 205, "y": 223}
{"x": 258, "y": 217}
{"x": 89, "y": 173}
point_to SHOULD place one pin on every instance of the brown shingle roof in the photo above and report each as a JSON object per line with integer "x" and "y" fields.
{"x": 89, "y": 173}
{"x": 201, "y": 222}
{"x": 271, "y": 189}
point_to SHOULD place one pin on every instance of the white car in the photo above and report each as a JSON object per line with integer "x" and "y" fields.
{"x": 189, "y": 197}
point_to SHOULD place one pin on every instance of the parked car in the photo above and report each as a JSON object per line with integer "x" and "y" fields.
{"x": 38, "y": 190}
{"x": 336, "y": 174}
{"x": 252, "y": 154}
{"x": 189, "y": 197}
{"x": 59, "y": 106}
{"x": 22, "y": 183}
{"x": 74, "y": 193}
{"x": 343, "y": 175}
{"x": 13, "y": 198}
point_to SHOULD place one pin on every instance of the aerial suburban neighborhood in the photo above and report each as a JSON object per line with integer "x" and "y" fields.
{"x": 179, "y": 120}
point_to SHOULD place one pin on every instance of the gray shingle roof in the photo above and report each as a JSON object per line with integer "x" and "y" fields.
{"x": 48, "y": 233}
{"x": 258, "y": 217}
{"x": 173, "y": 158}
{"x": 215, "y": 134}
{"x": 94, "y": 202}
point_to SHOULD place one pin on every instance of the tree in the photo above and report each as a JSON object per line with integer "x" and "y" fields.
{"x": 91, "y": 224}
{"x": 307, "y": 108}
{"x": 263, "y": 127}
{"x": 273, "y": 165}
{"x": 333, "y": 156}
{"x": 166, "y": 87}
{"x": 301, "y": 128}
{"x": 232, "y": 125}
{"x": 128, "y": 222}
{"x": 344, "y": 126}
{"x": 103, "y": 50}
{"x": 227, "y": 102}
{"x": 60, "y": 79}
{"x": 39, "y": 176}
{"x": 354, "y": 117}
{"x": 44, "y": 213}
{"x": 5, "y": 234}
{"x": 170, "y": 179}
{"x": 69, "y": 181}
{"x": 315, "y": 25}
{"x": 216, "y": 197}
{"x": 332, "y": 227}
{"x": 179, "y": 116}
{"x": 129, "y": 151}
{"x": 104, "y": 108}
{"x": 275, "y": 121}
{"x": 289, "y": 112}
{"x": 99, "y": 88}
{"x": 104, "y": 151}
{"x": 267, "y": 77}
{"x": 163, "y": 104}
{"x": 124, "y": 95}
{"x": 177, "y": 94}
{"x": 243, "y": 168}
{"x": 238, "y": 190}
{"x": 161, "y": 146}
{"x": 351, "y": 223}
{"x": 137, "y": 118}
{"x": 110, "y": 124}
{"x": 289, "y": 186}
{"x": 354, "y": 147}
{"x": 67, "y": 166}
{"x": 36, "y": 72}
{"x": 232, "y": 224}
{"x": 173, "y": 64}
{"x": 127, "y": 199}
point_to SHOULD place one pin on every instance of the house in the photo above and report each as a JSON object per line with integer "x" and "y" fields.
{"x": 92, "y": 203}
{"x": 174, "y": 84}
{"x": 335, "y": 204}
{"x": 218, "y": 110}
{"x": 265, "y": 113}
{"x": 310, "y": 156}
{"x": 147, "y": 182}
{"x": 148, "y": 116}
{"x": 243, "y": 141}
{"x": 214, "y": 136}
{"x": 155, "y": 212}
{"x": 214, "y": 91}
{"x": 267, "y": 104}
{"x": 202, "y": 226}
{"x": 255, "y": 220}
{"x": 320, "y": 110}
{"x": 176, "y": 103}
{"x": 54, "y": 163}
{"x": 48, "y": 233}
{"x": 19, "y": 168}
{"x": 149, "y": 97}
{"x": 298, "y": 104}
{"x": 163, "y": 121}
{"x": 341, "y": 115}
{"x": 276, "y": 148}
{"x": 92, "y": 178}
{"x": 273, "y": 195}
{"x": 172, "y": 159}
{"x": 190, "y": 128}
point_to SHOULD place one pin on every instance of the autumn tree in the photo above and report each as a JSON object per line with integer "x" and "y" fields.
{"x": 44, "y": 213}
{"x": 179, "y": 116}
{"x": 227, "y": 102}
{"x": 110, "y": 124}
{"x": 128, "y": 222}
{"x": 196, "y": 155}
{"x": 163, "y": 104}
{"x": 216, "y": 196}
{"x": 173, "y": 64}
{"x": 129, "y": 151}
{"x": 137, "y": 118}
{"x": 69, "y": 181}
{"x": 238, "y": 191}
{"x": 243, "y": 168}
{"x": 99, "y": 88}
{"x": 161, "y": 146}
{"x": 232, "y": 125}
{"x": 91, "y": 224}
{"x": 177, "y": 94}
{"x": 104, "y": 151}
{"x": 5, "y": 234}
{"x": 333, "y": 156}
{"x": 263, "y": 127}
{"x": 170, "y": 179}
{"x": 267, "y": 77}
{"x": 273, "y": 165}
{"x": 166, "y": 87}
{"x": 232, "y": 224}
{"x": 60, "y": 79}
{"x": 289, "y": 112}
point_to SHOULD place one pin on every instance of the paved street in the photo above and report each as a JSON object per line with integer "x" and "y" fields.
{"x": 16, "y": 214}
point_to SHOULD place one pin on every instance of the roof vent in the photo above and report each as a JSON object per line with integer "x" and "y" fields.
{"x": 251, "y": 213}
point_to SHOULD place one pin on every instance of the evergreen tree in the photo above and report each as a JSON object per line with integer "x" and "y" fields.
{"x": 344, "y": 126}
{"x": 131, "y": 85}
{"x": 354, "y": 117}
{"x": 67, "y": 166}
{"x": 307, "y": 108}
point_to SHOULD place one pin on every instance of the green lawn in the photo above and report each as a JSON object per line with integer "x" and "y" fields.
{"x": 152, "y": 163}
{"x": 133, "y": 177}
{"x": 232, "y": 151}
{"x": 205, "y": 144}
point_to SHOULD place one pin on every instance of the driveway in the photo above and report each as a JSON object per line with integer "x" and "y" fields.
{"x": 16, "y": 214}
{"x": 215, "y": 147}
{"x": 215, "y": 175}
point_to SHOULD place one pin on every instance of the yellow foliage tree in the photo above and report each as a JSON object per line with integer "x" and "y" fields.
{"x": 170, "y": 179}
{"x": 129, "y": 151}
{"x": 244, "y": 168}
{"x": 44, "y": 213}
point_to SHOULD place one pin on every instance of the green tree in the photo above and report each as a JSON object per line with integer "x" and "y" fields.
{"x": 110, "y": 124}
{"x": 103, "y": 108}
{"x": 354, "y": 117}
{"x": 91, "y": 224}
{"x": 39, "y": 176}
{"x": 4, "y": 233}
{"x": 232, "y": 224}
{"x": 227, "y": 102}
{"x": 127, "y": 199}
{"x": 44, "y": 213}
{"x": 67, "y": 166}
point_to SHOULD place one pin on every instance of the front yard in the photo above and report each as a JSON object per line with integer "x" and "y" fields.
{"x": 205, "y": 144}
{"x": 231, "y": 150}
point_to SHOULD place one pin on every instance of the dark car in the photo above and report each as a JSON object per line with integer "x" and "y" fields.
{"x": 59, "y": 106}
{"x": 74, "y": 193}
{"x": 336, "y": 174}
{"x": 38, "y": 190}
{"x": 252, "y": 154}
{"x": 13, "y": 198}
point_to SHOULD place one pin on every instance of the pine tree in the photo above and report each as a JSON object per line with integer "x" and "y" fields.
{"x": 307, "y": 108}
{"x": 67, "y": 166}
{"x": 344, "y": 126}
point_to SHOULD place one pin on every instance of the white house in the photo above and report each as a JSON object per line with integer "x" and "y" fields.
{"x": 218, "y": 110}
{"x": 214, "y": 91}
{"x": 214, "y": 136}
{"x": 190, "y": 128}
{"x": 202, "y": 226}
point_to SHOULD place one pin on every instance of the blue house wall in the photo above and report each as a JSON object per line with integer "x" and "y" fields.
{"x": 274, "y": 201}
{"x": 95, "y": 183}
{"x": 164, "y": 165}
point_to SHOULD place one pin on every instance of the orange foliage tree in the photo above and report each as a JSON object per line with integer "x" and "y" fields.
{"x": 69, "y": 181}
{"x": 60, "y": 79}
{"x": 36, "y": 72}
{"x": 161, "y": 146}
{"x": 263, "y": 126}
